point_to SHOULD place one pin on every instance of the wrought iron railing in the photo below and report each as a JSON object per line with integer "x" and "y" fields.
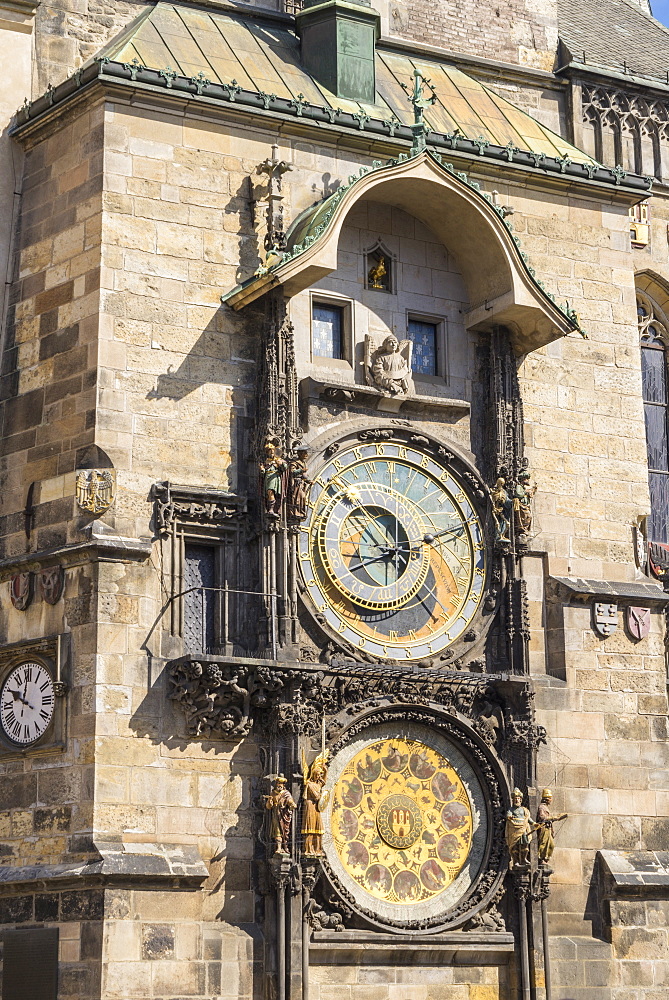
{"x": 214, "y": 628}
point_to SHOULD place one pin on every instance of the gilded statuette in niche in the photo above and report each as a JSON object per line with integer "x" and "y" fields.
{"x": 96, "y": 489}
{"x": 401, "y": 821}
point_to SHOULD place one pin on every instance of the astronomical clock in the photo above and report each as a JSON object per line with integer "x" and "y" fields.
{"x": 393, "y": 553}
{"x": 395, "y": 561}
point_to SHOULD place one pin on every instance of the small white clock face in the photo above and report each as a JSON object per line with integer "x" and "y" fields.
{"x": 27, "y": 703}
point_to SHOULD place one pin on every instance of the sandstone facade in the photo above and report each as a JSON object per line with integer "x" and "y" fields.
{"x": 130, "y": 828}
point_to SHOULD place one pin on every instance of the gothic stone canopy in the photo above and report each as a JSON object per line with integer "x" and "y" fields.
{"x": 502, "y": 287}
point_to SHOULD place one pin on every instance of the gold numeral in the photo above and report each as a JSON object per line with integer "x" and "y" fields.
{"x": 371, "y": 468}
{"x": 342, "y": 627}
{"x": 357, "y": 453}
{"x": 424, "y": 462}
{"x": 411, "y": 634}
{"x": 361, "y": 643}
{"x": 337, "y": 464}
{"x": 391, "y": 468}
{"x": 393, "y": 636}
{"x": 401, "y": 451}
{"x": 380, "y": 449}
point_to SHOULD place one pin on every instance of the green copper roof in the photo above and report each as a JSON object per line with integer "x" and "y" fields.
{"x": 264, "y": 56}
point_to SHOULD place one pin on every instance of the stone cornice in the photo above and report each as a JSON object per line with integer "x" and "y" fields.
{"x": 649, "y": 593}
{"x": 111, "y": 548}
{"x": 314, "y": 119}
{"x": 134, "y": 865}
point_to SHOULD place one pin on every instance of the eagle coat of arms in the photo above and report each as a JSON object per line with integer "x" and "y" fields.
{"x": 96, "y": 489}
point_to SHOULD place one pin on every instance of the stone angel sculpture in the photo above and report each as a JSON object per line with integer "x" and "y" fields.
{"x": 388, "y": 364}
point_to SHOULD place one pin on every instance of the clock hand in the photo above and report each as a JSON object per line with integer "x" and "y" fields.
{"x": 429, "y": 538}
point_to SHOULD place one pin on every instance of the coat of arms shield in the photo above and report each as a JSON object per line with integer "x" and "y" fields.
{"x": 637, "y": 621}
{"x": 21, "y": 590}
{"x": 51, "y": 581}
{"x": 96, "y": 489}
{"x": 605, "y": 619}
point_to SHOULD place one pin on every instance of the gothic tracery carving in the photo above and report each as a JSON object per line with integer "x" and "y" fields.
{"x": 643, "y": 121}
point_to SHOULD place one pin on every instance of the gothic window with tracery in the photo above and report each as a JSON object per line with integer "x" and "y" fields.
{"x": 654, "y": 340}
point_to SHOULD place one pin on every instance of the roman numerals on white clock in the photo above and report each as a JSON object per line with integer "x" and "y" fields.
{"x": 27, "y": 702}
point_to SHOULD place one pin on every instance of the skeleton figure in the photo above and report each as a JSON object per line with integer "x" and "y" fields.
{"x": 388, "y": 366}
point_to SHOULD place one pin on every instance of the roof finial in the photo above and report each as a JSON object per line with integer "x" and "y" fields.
{"x": 419, "y": 102}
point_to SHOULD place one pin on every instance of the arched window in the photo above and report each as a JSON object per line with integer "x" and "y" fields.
{"x": 654, "y": 339}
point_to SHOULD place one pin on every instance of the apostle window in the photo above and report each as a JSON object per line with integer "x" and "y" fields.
{"x": 424, "y": 336}
{"x": 653, "y": 335}
{"x": 327, "y": 330}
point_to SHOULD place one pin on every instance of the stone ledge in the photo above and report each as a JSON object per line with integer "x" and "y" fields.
{"x": 99, "y": 548}
{"x": 367, "y": 395}
{"x": 130, "y": 864}
{"x": 368, "y": 948}
{"x": 649, "y": 593}
{"x": 636, "y": 874}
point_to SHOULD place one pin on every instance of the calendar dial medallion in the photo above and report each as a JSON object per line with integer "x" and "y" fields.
{"x": 401, "y": 821}
{"x": 27, "y": 702}
{"x": 393, "y": 551}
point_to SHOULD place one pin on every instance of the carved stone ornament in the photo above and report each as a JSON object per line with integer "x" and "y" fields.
{"x": 388, "y": 364}
{"x": 640, "y": 544}
{"x": 21, "y": 590}
{"x": 188, "y": 505}
{"x": 217, "y": 696}
{"x": 637, "y": 621}
{"x": 604, "y": 619}
{"x": 96, "y": 489}
{"x": 51, "y": 582}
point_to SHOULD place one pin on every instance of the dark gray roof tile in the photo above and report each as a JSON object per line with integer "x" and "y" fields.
{"x": 616, "y": 35}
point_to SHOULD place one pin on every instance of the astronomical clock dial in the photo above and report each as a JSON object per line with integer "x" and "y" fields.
{"x": 393, "y": 551}
{"x": 27, "y": 702}
{"x": 401, "y": 822}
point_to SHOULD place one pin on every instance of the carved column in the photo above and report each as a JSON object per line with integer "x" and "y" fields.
{"x": 541, "y": 893}
{"x": 522, "y": 890}
{"x": 281, "y": 870}
{"x": 311, "y": 870}
{"x": 277, "y": 428}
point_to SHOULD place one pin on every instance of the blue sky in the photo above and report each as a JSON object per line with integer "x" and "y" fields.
{"x": 660, "y": 10}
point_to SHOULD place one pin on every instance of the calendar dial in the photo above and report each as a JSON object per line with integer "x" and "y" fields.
{"x": 27, "y": 702}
